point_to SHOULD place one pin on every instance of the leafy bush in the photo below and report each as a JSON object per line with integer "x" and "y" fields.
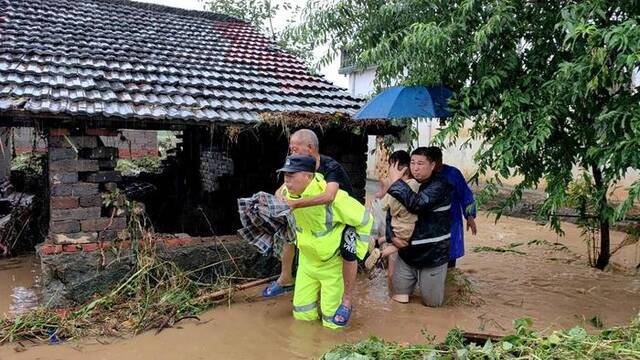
{"x": 525, "y": 343}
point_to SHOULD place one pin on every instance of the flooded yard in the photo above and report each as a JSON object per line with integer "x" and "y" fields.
{"x": 19, "y": 285}
{"x": 550, "y": 283}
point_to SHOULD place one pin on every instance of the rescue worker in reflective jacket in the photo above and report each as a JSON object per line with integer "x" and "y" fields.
{"x": 423, "y": 261}
{"x": 320, "y": 230}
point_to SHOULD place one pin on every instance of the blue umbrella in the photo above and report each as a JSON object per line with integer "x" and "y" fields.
{"x": 407, "y": 102}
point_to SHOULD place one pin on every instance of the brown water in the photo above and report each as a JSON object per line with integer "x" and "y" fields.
{"x": 554, "y": 287}
{"x": 19, "y": 284}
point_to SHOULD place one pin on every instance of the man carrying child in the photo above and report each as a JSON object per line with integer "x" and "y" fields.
{"x": 423, "y": 261}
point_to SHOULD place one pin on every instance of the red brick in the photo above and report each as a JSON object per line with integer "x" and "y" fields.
{"x": 106, "y": 244}
{"x": 64, "y": 202}
{"x": 47, "y": 249}
{"x": 172, "y": 242}
{"x": 101, "y": 132}
{"x": 90, "y": 247}
{"x": 62, "y": 313}
{"x": 50, "y": 249}
{"x": 29, "y": 150}
{"x": 126, "y": 244}
{"x": 186, "y": 241}
{"x": 70, "y": 248}
{"x": 59, "y": 132}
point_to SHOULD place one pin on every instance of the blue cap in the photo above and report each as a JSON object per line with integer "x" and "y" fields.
{"x": 298, "y": 163}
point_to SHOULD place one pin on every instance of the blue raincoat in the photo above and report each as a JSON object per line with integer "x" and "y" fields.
{"x": 461, "y": 198}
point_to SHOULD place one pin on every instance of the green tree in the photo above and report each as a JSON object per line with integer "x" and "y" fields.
{"x": 547, "y": 83}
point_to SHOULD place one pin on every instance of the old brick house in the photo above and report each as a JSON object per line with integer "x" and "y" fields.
{"x": 82, "y": 69}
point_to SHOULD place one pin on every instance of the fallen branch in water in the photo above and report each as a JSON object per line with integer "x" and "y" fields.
{"x": 248, "y": 285}
{"x": 500, "y": 249}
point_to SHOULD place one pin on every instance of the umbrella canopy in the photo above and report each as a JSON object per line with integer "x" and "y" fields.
{"x": 407, "y": 102}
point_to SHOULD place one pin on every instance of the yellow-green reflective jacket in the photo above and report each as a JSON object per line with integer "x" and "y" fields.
{"x": 319, "y": 228}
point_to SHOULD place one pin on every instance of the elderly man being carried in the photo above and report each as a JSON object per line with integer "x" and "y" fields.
{"x": 321, "y": 232}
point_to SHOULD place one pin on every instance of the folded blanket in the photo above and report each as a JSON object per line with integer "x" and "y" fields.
{"x": 267, "y": 222}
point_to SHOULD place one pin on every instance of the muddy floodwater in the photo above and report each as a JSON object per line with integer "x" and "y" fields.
{"x": 551, "y": 284}
{"x": 19, "y": 284}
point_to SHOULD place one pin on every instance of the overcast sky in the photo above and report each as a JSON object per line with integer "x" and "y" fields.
{"x": 330, "y": 71}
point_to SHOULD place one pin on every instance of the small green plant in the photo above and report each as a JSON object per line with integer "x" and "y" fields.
{"x": 553, "y": 246}
{"x": 463, "y": 289}
{"x": 132, "y": 167}
{"x": 596, "y": 322}
{"x": 522, "y": 343}
{"x": 580, "y": 196}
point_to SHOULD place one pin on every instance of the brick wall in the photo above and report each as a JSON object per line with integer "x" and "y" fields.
{"x": 134, "y": 143}
{"x": 79, "y": 170}
{"x": 130, "y": 143}
{"x": 28, "y": 140}
{"x": 350, "y": 150}
{"x": 214, "y": 163}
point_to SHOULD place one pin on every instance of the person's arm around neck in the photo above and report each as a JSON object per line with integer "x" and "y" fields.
{"x": 325, "y": 198}
{"x": 422, "y": 201}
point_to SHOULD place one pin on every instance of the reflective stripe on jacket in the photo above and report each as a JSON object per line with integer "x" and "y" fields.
{"x": 319, "y": 228}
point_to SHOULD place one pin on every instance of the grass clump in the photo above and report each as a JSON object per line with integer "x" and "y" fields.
{"x": 524, "y": 343}
{"x": 144, "y": 164}
{"x": 156, "y": 295}
{"x": 459, "y": 289}
{"x": 501, "y": 249}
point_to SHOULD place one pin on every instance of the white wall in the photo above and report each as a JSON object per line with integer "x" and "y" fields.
{"x": 361, "y": 84}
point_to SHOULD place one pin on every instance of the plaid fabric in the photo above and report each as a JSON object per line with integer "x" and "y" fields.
{"x": 267, "y": 222}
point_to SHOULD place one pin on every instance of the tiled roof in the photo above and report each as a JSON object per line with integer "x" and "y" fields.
{"x": 128, "y": 60}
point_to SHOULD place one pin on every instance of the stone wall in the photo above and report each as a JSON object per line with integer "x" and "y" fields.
{"x": 72, "y": 274}
{"x": 130, "y": 143}
{"x": 350, "y": 150}
{"x": 80, "y": 169}
{"x": 134, "y": 143}
{"x": 5, "y": 154}
{"x": 214, "y": 163}
{"x": 27, "y": 140}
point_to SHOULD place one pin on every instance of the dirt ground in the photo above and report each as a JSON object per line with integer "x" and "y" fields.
{"x": 550, "y": 283}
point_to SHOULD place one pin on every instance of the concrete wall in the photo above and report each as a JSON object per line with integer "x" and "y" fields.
{"x": 5, "y": 154}
{"x": 72, "y": 275}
